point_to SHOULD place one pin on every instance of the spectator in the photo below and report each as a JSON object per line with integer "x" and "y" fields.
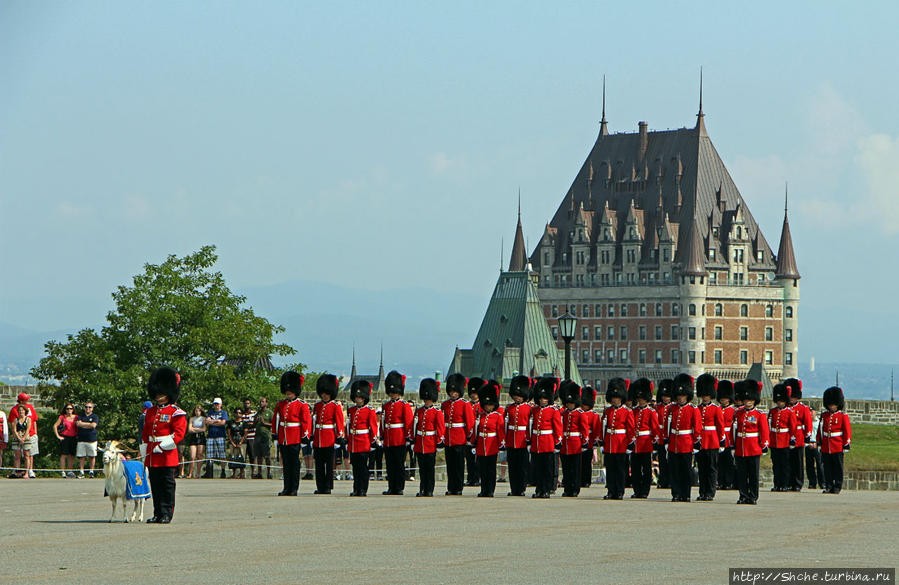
{"x": 23, "y": 399}
{"x": 262, "y": 443}
{"x": 237, "y": 436}
{"x": 87, "y": 438}
{"x": 23, "y": 442}
{"x": 67, "y": 433}
{"x": 216, "y": 419}
{"x": 248, "y": 418}
{"x": 4, "y": 435}
{"x": 140, "y": 421}
{"x": 196, "y": 438}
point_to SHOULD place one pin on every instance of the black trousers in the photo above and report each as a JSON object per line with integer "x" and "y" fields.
{"x": 359, "y": 461}
{"x": 324, "y": 468}
{"x": 395, "y": 460}
{"x": 780, "y": 465}
{"x": 376, "y": 459}
{"x": 587, "y": 468}
{"x": 471, "y": 461}
{"x": 616, "y": 473}
{"x": 162, "y": 487}
{"x": 813, "y": 467}
{"x": 641, "y": 473}
{"x": 726, "y": 469}
{"x": 426, "y": 464}
{"x": 707, "y": 462}
{"x": 543, "y": 472}
{"x": 664, "y": 474}
{"x": 797, "y": 468}
{"x": 748, "y": 477}
{"x": 517, "y": 460}
{"x": 571, "y": 474}
{"x": 487, "y": 471}
{"x": 455, "y": 468}
{"x": 290, "y": 467}
{"x": 555, "y": 471}
{"x": 833, "y": 471}
{"x": 679, "y": 466}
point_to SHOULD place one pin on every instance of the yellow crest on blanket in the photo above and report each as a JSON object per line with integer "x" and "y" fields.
{"x": 137, "y": 479}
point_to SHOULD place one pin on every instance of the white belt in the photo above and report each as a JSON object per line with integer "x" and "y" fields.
{"x": 489, "y": 435}
{"x": 544, "y": 432}
{"x": 161, "y": 438}
{"x": 617, "y": 431}
{"x": 802, "y": 427}
{"x": 426, "y": 433}
{"x": 324, "y": 426}
{"x": 710, "y": 428}
{"x": 683, "y": 431}
{"x": 395, "y": 426}
{"x": 781, "y": 430}
{"x": 514, "y": 428}
{"x": 642, "y": 433}
{"x": 457, "y": 425}
{"x": 835, "y": 434}
{"x": 574, "y": 434}
{"x": 747, "y": 435}
{"x": 291, "y": 424}
{"x": 358, "y": 431}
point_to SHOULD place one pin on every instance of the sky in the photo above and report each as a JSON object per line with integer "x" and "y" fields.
{"x": 380, "y": 145}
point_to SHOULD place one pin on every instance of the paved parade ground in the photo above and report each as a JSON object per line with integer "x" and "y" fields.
{"x": 237, "y": 531}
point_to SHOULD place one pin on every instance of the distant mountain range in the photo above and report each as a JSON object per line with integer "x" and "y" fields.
{"x": 418, "y": 327}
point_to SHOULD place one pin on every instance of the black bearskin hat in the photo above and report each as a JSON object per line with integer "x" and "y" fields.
{"x": 642, "y": 388}
{"x": 327, "y": 383}
{"x": 456, "y": 383}
{"x": 395, "y": 383}
{"x": 164, "y": 381}
{"x": 726, "y": 390}
{"x": 474, "y": 384}
{"x": 707, "y": 385}
{"x": 488, "y": 393}
{"x": 666, "y": 387}
{"x": 546, "y": 388}
{"x": 360, "y": 389}
{"x": 631, "y": 394}
{"x": 617, "y": 387}
{"x": 588, "y": 396}
{"x": 521, "y": 386}
{"x": 795, "y": 386}
{"x": 834, "y": 395}
{"x": 683, "y": 386}
{"x": 292, "y": 381}
{"x": 428, "y": 389}
{"x": 570, "y": 392}
{"x": 781, "y": 392}
{"x": 748, "y": 390}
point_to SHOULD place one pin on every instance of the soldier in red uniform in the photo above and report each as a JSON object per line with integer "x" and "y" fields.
{"x": 750, "y": 439}
{"x": 726, "y": 457}
{"x": 362, "y": 434}
{"x": 292, "y": 426}
{"x": 618, "y": 431}
{"x": 683, "y": 433}
{"x": 803, "y": 439}
{"x": 459, "y": 418}
{"x": 327, "y": 431}
{"x": 164, "y": 427}
{"x": 489, "y": 436}
{"x": 712, "y": 438}
{"x": 663, "y": 406}
{"x": 575, "y": 438}
{"x": 784, "y": 430}
{"x": 647, "y": 435}
{"x": 396, "y": 430}
{"x": 594, "y": 424}
{"x": 516, "y": 416}
{"x": 834, "y": 438}
{"x": 429, "y": 431}
{"x": 544, "y": 435}
{"x": 471, "y": 460}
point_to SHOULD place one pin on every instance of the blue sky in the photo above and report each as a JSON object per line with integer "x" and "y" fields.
{"x": 381, "y": 145}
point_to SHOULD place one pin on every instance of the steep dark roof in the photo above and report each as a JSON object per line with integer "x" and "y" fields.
{"x": 693, "y": 256}
{"x": 786, "y": 259}
{"x": 519, "y": 258}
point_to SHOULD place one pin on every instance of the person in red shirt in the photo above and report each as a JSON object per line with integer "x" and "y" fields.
{"x": 594, "y": 423}
{"x": 750, "y": 439}
{"x": 712, "y": 436}
{"x": 471, "y": 460}
{"x": 362, "y": 434}
{"x": 327, "y": 431}
{"x": 726, "y": 457}
{"x": 428, "y": 431}
{"x": 834, "y": 438}
{"x": 489, "y": 436}
{"x": 663, "y": 406}
{"x": 291, "y": 427}
{"x": 164, "y": 427}
{"x": 683, "y": 432}
{"x": 516, "y": 416}
{"x": 396, "y": 430}
{"x": 803, "y": 439}
{"x": 783, "y": 427}
{"x": 459, "y": 418}
{"x": 648, "y": 433}
{"x": 575, "y": 438}
{"x": 544, "y": 435}
{"x": 23, "y": 400}
{"x": 618, "y": 431}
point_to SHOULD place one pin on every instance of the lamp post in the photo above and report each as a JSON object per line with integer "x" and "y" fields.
{"x": 567, "y": 327}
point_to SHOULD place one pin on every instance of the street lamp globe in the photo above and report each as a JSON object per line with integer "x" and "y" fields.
{"x": 567, "y": 326}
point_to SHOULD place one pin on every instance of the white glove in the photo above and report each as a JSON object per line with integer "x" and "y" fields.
{"x": 276, "y": 445}
{"x": 143, "y": 450}
{"x": 167, "y": 444}
{"x": 156, "y": 449}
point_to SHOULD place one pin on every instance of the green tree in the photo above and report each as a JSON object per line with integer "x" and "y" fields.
{"x": 178, "y": 313}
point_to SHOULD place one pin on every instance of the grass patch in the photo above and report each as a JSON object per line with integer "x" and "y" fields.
{"x": 874, "y": 448}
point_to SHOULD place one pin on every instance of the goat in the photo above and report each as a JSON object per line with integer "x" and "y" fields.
{"x": 117, "y": 483}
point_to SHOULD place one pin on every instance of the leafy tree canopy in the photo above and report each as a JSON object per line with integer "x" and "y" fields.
{"x": 179, "y": 313}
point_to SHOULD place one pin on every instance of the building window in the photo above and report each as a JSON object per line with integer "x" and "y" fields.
{"x": 744, "y": 333}
{"x": 719, "y": 309}
{"x": 585, "y": 333}
{"x": 573, "y": 310}
{"x": 744, "y": 310}
{"x": 711, "y": 253}
{"x": 769, "y": 358}
{"x": 642, "y": 332}
{"x": 610, "y": 334}
{"x": 718, "y": 331}
{"x": 769, "y": 333}
{"x": 675, "y": 356}
{"x": 691, "y": 333}
{"x": 611, "y": 359}
{"x": 658, "y": 332}
{"x": 586, "y": 311}
{"x": 675, "y": 309}
{"x": 666, "y": 254}
{"x": 692, "y": 357}
{"x": 658, "y": 356}
{"x": 744, "y": 357}
{"x": 623, "y": 356}
{"x": 597, "y": 310}
{"x": 623, "y": 333}
{"x": 555, "y": 310}
{"x": 713, "y": 278}
{"x": 788, "y": 359}
{"x": 597, "y": 356}
{"x": 675, "y": 332}
{"x": 611, "y": 310}
{"x": 546, "y": 282}
{"x": 692, "y": 310}
{"x": 585, "y": 356}
{"x": 789, "y": 312}
{"x": 624, "y": 307}
{"x": 546, "y": 259}
{"x": 642, "y": 309}
{"x": 788, "y": 335}
{"x": 597, "y": 332}
{"x": 564, "y": 257}
{"x": 702, "y": 336}
{"x": 555, "y": 332}
{"x": 641, "y": 356}
{"x": 769, "y": 310}
{"x": 658, "y": 309}
{"x": 717, "y": 356}
{"x": 760, "y": 256}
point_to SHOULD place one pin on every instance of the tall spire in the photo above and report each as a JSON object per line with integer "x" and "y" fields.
{"x": 786, "y": 258}
{"x": 353, "y": 371}
{"x": 693, "y": 258}
{"x": 519, "y": 259}
{"x": 603, "y": 125}
{"x": 700, "y": 122}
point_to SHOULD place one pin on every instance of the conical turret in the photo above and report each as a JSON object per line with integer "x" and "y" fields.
{"x": 786, "y": 258}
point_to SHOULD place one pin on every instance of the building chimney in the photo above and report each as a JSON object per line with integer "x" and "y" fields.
{"x": 644, "y": 139}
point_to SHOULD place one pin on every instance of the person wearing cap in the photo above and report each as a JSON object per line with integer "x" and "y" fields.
{"x": 459, "y": 418}
{"x": 594, "y": 424}
{"x": 663, "y": 407}
{"x": 292, "y": 426}
{"x": 544, "y": 435}
{"x": 216, "y": 434}
{"x": 683, "y": 434}
{"x": 327, "y": 431}
{"x": 24, "y": 399}
{"x": 428, "y": 432}
{"x": 471, "y": 460}
{"x": 784, "y": 433}
{"x": 712, "y": 437}
{"x": 516, "y": 417}
{"x": 751, "y": 438}
{"x": 726, "y": 467}
{"x": 362, "y": 434}
{"x": 489, "y": 436}
{"x": 164, "y": 428}
{"x": 835, "y": 438}
{"x": 805, "y": 436}
{"x": 575, "y": 438}
{"x": 396, "y": 430}
{"x": 648, "y": 434}
{"x": 618, "y": 433}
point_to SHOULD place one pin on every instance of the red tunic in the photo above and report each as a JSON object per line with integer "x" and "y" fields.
{"x": 362, "y": 429}
{"x": 728, "y": 413}
{"x": 292, "y": 421}
{"x": 804, "y": 420}
{"x": 429, "y": 429}
{"x": 575, "y": 431}
{"x": 713, "y": 427}
{"x": 516, "y": 417}
{"x": 783, "y": 427}
{"x": 327, "y": 423}
{"x": 646, "y": 421}
{"x": 618, "y": 429}
{"x": 750, "y": 432}
{"x": 459, "y": 417}
{"x": 163, "y": 423}
{"x": 834, "y": 432}
{"x": 662, "y": 410}
{"x": 489, "y": 434}
{"x": 545, "y": 429}
{"x": 594, "y": 421}
{"x": 683, "y": 429}
{"x": 396, "y": 422}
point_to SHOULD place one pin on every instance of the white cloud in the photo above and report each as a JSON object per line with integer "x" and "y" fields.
{"x": 439, "y": 163}
{"x": 877, "y": 157}
{"x": 69, "y": 210}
